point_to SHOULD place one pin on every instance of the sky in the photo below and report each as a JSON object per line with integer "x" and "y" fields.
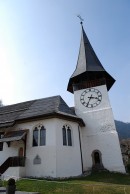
{"x": 39, "y": 45}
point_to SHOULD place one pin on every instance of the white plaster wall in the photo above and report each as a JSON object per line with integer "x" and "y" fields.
{"x": 99, "y": 132}
{"x": 68, "y": 158}
{"x": 14, "y": 172}
{"x": 47, "y": 153}
{"x": 10, "y": 151}
{"x": 56, "y": 160}
{"x": 108, "y": 145}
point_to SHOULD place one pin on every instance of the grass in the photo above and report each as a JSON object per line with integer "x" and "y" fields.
{"x": 96, "y": 183}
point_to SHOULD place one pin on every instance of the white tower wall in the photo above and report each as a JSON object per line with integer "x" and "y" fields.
{"x": 99, "y": 132}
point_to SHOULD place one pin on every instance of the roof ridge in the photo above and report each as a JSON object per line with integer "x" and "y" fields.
{"x": 2, "y": 107}
{"x": 57, "y": 104}
{"x": 87, "y": 44}
{"x": 17, "y": 110}
{"x": 44, "y": 107}
{"x": 9, "y": 105}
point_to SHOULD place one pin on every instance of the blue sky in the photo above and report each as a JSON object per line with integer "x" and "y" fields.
{"x": 39, "y": 44}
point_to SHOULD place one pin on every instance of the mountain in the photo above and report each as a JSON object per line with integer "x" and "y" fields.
{"x": 123, "y": 129}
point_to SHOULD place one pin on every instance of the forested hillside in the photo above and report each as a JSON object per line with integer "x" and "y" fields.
{"x": 123, "y": 129}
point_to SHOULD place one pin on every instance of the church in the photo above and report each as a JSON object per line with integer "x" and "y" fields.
{"x": 47, "y": 138}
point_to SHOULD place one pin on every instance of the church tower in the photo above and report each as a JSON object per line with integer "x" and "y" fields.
{"x": 90, "y": 84}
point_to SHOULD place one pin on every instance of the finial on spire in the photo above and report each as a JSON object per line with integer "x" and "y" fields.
{"x": 81, "y": 19}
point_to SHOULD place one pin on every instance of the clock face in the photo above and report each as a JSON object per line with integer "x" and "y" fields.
{"x": 91, "y": 97}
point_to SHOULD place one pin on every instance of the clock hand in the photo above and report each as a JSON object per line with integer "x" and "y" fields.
{"x": 93, "y": 97}
{"x": 97, "y": 98}
{"x": 89, "y": 99}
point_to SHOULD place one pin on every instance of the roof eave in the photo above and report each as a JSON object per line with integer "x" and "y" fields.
{"x": 85, "y": 76}
{"x": 60, "y": 115}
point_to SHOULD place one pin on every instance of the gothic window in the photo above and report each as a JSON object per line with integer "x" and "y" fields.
{"x": 1, "y": 143}
{"x": 35, "y": 137}
{"x": 67, "y": 137}
{"x": 1, "y": 146}
{"x": 39, "y": 136}
{"x": 42, "y": 136}
{"x": 64, "y": 136}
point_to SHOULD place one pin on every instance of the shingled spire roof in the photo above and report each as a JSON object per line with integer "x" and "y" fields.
{"x": 88, "y": 65}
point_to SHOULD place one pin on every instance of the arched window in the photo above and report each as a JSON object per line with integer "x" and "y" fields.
{"x": 1, "y": 143}
{"x": 64, "y": 135}
{"x": 67, "y": 139}
{"x": 42, "y": 136}
{"x": 39, "y": 136}
{"x": 96, "y": 157}
{"x": 35, "y": 137}
{"x": 97, "y": 160}
{"x": 69, "y": 136}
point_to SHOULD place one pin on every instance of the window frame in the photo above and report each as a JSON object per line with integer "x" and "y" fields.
{"x": 64, "y": 136}
{"x": 1, "y": 146}
{"x": 67, "y": 135}
{"x": 39, "y": 128}
{"x": 34, "y": 131}
{"x": 1, "y": 143}
{"x": 44, "y": 136}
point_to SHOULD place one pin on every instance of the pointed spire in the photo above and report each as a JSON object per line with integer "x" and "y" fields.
{"x": 88, "y": 65}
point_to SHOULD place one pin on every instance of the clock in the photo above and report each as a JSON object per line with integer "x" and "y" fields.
{"x": 91, "y": 97}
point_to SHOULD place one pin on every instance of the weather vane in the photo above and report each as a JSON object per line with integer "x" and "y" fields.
{"x": 81, "y": 19}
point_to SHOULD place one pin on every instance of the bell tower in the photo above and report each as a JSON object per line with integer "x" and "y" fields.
{"x": 90, "y": 84}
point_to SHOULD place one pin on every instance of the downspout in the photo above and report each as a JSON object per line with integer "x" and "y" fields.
{"x": 80, "y": 148}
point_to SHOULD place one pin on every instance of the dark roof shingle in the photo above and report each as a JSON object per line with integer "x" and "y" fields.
{"x": 36, "y": 108}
